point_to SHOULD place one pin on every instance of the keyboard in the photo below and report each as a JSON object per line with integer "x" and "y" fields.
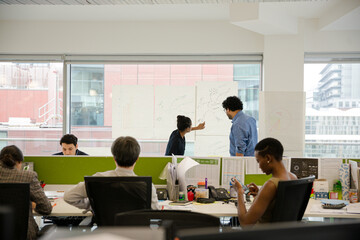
{"x": 64, "y": 221}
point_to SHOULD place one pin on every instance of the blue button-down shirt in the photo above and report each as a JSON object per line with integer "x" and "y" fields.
{"x": 243, "y": 135}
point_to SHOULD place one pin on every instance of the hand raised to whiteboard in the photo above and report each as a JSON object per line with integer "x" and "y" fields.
{"x": 199, "y": 127}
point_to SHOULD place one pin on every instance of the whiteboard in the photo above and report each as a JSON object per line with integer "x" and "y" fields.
{"x": 171, "y": 101}
{"x": 212, "y": 146}
{"x": 133, "y": 111}
{"x": 282, "y": 116}
{"x": 209, "y": 98}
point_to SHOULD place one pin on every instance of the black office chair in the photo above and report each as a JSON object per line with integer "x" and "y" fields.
{"x": 291, "y": 199}
{"x": 111, "y": 195}
{"x": 171, "y": 220}
{"x": 15, "y": 197}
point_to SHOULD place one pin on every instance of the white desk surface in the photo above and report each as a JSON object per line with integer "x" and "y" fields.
{"x": 219, "y": 209}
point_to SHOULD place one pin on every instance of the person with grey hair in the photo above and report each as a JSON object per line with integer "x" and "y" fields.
{"x": 126, "y": 151}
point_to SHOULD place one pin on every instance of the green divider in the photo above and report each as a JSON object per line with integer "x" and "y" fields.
{"x": 72, "y": 169}
{"x": 68, "y": 169}
{"x": 258, "y": 179}
{"x": 152, "y": 166}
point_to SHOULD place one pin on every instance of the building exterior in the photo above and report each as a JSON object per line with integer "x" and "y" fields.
{"x": 332, "y": 127}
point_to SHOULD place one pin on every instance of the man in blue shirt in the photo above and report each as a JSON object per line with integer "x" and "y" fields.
{"x": 243, "y": 134}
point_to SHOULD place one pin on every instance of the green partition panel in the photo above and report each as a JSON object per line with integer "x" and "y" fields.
{"x": 68, "y": 169}
{"x": 152, "y": 166}
{"x": 258, "y": 179}
{"x": 72, "y": 169}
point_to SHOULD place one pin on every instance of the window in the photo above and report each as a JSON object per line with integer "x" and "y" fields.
{"x": 332, "y": 88}
{"x": 92, "y": 87}
{"x": 31, "y": 106}
{"x": 34, "y": 91}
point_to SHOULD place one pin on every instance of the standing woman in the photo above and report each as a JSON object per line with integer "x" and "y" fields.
{"x": 11, "y": 159}
{"x": 268, "y": 153}
{"x": 176, "y": 144}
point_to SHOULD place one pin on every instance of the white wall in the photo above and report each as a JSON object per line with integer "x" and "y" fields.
{"x": 127, "y": 38}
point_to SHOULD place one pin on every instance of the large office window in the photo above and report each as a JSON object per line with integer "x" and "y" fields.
{"x": 332, "y": 108}
{"x": 92, "y": 92}
{"x": 38, "y": 103}
{"x": 31, "y": 111}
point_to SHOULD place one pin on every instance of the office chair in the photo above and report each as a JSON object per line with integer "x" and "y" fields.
{"x": 15, "y": 197}
{"x": 171, "y": 220}
{"x": 111, "y": 195}
{"x": 292, "y": 198}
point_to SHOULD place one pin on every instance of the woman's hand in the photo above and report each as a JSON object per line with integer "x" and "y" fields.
{"x": 237, "y": 186}
{"x": 201, "y": 126}
{"x": 33, "y": 205}
{"x": 253, "y": 189}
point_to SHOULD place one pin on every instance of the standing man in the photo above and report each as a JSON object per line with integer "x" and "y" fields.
{"x": 69, "y": 146}
{"x": 243, "y": 134}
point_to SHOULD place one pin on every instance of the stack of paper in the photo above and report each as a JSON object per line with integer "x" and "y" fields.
{"x": 173, "y": 172}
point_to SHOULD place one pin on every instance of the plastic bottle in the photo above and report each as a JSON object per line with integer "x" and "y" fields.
{"x": 338, "y": 189}
{"x": 181, "y": 196}
{"x": 233, "y": 192}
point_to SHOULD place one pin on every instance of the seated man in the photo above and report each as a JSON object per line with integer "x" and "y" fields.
{"x": 126, "y": 151}
{"x": 69, "y": 146}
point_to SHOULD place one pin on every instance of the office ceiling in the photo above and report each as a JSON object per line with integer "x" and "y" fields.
{"x": 266, "y": 17}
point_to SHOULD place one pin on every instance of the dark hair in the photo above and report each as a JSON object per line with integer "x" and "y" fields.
{"x": 270, "y": 146}
{"x": 69, "y": 139}
{"x": 10, "y": 155}
{"x": 126, "y": 151}
{"x": 183, "y": 122}
{"x": 232, "y": 103}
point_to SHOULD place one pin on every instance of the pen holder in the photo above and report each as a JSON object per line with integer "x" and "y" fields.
{"x": 174, "y": 193}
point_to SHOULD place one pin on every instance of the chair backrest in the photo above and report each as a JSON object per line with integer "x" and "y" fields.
{"x": 172, "y": 220}
{"x": 111, "y": 195}
{"x": 16, "y": 198}
{"x": 291, "y": 199}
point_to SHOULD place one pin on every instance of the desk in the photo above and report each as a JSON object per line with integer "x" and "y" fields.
{"x": 314, "y": 209}
{"x": 218, "y": 209}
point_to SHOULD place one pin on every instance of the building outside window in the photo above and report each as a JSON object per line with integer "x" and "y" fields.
{"x": 31, "y": 113}
{"x": 332, "y": 110}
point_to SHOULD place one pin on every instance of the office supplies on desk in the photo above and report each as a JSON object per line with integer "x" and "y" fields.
{"x": 333, "y": 203}
{"x": 169, "y": 174}
{"x": 185, "y": 165}
{"x": 162, "y": 193}
{"x": 344, "y": 175}
{"x": 219, "y": 194}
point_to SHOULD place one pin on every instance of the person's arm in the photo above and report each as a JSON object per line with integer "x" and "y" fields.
{"x": 199, "y": 127}
{"x": 154, "y": 199}
{"x": 77, "y": 196}
{"x": 40, "y": 202}
{"x": 259, "y": 206}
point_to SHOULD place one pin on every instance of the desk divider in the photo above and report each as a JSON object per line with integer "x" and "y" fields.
{"x": 72, "y": 169}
